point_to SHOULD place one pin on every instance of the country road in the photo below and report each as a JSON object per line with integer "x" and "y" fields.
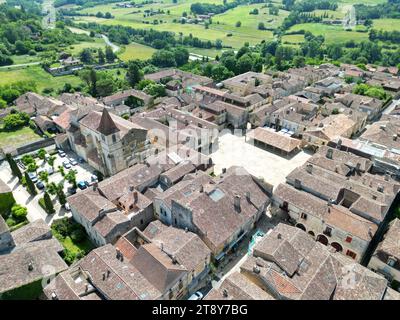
{"x": 114, "y": 47}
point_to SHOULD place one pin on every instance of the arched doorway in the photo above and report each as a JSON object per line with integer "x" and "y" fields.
{"x": 337, "y": 246}
{"x": 324, "y": 240}
{"x": 311, "y": 233}
{"x": 300, "y": 226}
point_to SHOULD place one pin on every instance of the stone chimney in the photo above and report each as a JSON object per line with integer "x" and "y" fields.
{"x": 358, "y": 166}
{"x": 279, "y": 236}
{"x": 297, "y": 184}
{"x": 223, "y": 170}
{"x": 237, "y": 203}
{"x": 395, "y": 137}
{"x": 135, "y": 197}
{"x": 248, "y": 196}
{"x": 309, "y": 168}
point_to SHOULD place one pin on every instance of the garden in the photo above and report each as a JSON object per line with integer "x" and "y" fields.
{"x": 73, "y": 237}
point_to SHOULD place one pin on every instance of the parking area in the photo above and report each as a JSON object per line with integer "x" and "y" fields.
{"x": 83, "y": 172}
{"x": 273, "y": 168}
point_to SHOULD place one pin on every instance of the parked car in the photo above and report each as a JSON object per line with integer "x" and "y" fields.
{"x": 81, "y": 160}
{"x": 93, "y": 178}
{"x": 50, "y": 170}
{"x": 82, "y": 185}
{"x": 66, "y": 164}
{"x": 71, "y": 191}
{"x": 47, "y": 156}
{"x": 67, "y": 207}
{"x": 73, "y": 161}
{"x": 61, "y": 153}
{"x": 196, "y": 296}
{"x": 87, "y": 183}
{"x": 33, "y": 176}
{"x": 40, "y": 185}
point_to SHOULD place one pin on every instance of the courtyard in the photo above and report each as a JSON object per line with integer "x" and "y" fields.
{"x": 233, "y": 150}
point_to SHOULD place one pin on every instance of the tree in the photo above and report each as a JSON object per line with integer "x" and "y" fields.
{"x": 133, "y": 75}
{"x": 44, "y": 176}
{"x": 86, "y": 56}
{"x": 61, "y": 170}
{"x": 29, "y": 185}
{"x": 108, "y": 15}
{"x": 238, "y": 24}
{"x": 181, "y": 56}
{"x": 220, "y": 73}
{"x": 61, "y": 196}
{"x": 101, "y": 57}
{"x": 15, "y": 121}
{"x": 89, "y": 76}
{"x": 19, "y": 213}
{"x": 155, "y": 90}
{"x": 163, "y": 58}
{"x": 48, "y": 203}
{"x": 110, "y": 56}
{"x": 42, "y": 154}
{"x": 14, "y": 167}
{"x": 71, "y": 178}
{"x": 51, "y": 160}
{"x": 32, "y": 167}
{"x": 52, "y": 188}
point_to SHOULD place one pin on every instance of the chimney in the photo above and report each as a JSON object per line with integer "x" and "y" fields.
{"x": 131, "y": 188}
{"x": 237, "y": 203}
{"x": 380, "y": 188}
{"x": 358, "y": 166}
{"x": 256, "y": 269}
{"x": 201, "y": 189}
{"x": 387, "y": 176}
{"x": 248, "y": 196}
{"x": 297, "y": 184}
{"x": 162, "y": 246}
{"x": 279, "y": 236}
{"x": 329, "y": 153}
{"x": 104, "y": 276}
{"x": 135, "y": 196}
{"x": 108, "y": 273}
{"x": 54, "y": 296}
{"x": 225, "y": 293}
{"x": 395, "y": 137}
{"x": 339, "y": 143}
{"x": 223, "y": 170}
{"x": 95, "y": 185}
{"x": 309, "y": 168}
{"x": 30, "y": 266}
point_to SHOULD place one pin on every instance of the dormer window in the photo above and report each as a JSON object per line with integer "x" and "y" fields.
{"x": 391, "y": 261}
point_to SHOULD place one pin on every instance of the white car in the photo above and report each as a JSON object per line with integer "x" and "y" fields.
{"x": 73, "y": 161}
{"x": 67, "y": 207}
{"x": 66, "y": 164}
{"x": 196, "y": 296}
{"x": 61, "y": 153}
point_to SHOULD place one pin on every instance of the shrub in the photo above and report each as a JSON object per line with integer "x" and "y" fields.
{"x": 19, "y": 213}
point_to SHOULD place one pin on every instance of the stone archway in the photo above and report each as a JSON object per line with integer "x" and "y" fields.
{"x": 311, "y": 233}
{"x": 337, "y": 246}
{"x": 324, "y": 240}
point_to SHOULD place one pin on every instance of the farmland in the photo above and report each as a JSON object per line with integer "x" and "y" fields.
{"x": 37, "y": 74}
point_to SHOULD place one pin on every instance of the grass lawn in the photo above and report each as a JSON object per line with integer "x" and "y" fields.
{"x": 17, "y": 138}
{"x": 136, "y": 51}
{"x": 42, "y": 78}
{"x": 24, "y": 59}
{"x": 331, "y": 33}
{"x": 293, "y": 39}
{"x": 75, "y": 49}
{"x": 386, "y": 24}
{"x": 85, "y": 245}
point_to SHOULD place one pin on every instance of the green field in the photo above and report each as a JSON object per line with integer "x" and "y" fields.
{"x": 387, "y": 24}
{"x": 18, "y": 137}
{"x": 331, "y": 33}
{"x": 75, "y": 49}
{"x": 37, "y": 74}
{"x": 136, "y": 51}
{"x": 222, "y": 25}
